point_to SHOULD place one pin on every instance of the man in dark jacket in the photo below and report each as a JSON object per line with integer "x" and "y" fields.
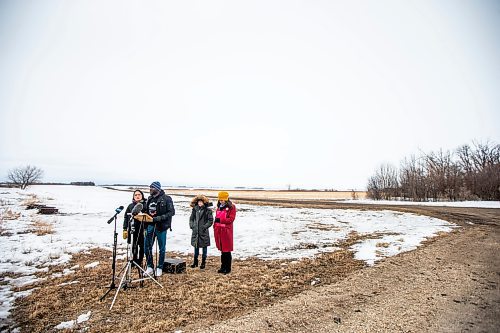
{"x": 161, "y": 207}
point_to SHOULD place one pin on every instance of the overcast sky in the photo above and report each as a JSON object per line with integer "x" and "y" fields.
{"x": 315, "y": 94}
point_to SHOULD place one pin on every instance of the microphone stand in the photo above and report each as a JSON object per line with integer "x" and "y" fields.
{"x": 126, "y": 278}
{"x": 113, "y": 265}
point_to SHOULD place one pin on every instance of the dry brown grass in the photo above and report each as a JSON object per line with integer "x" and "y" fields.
{"x": 198, "y": 296}
{"x": 8, "y": 214}
{"x": 32, "y": 199}
{"x": 41, "y": 227}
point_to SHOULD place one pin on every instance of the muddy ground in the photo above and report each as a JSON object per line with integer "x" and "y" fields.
{"x": 449, "y": 285}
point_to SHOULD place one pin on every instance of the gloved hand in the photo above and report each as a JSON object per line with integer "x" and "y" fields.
{"x": 156, "y": 219}
{"x": 217, "y": 220}
{"x": 125, "y": 234}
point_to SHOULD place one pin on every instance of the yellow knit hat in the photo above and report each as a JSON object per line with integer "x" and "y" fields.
{"x": 223, "y": 196}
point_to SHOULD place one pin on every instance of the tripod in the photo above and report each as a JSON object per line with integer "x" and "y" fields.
{"x": 113, "y": 265}
{"x": 126, "y": 279}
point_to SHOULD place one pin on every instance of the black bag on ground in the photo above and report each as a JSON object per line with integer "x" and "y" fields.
{"x": 174, "y": 266}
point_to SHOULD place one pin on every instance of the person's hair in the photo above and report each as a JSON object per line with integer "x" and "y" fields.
{"x": 142, "y": 194}
{"x": 228, "y": 203}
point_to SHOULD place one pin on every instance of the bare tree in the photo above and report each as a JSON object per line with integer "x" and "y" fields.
{"x": 25, "y": 176}
{"x": 384, "y": 184}
{"x": 412, "y": 179}
{"x": 443, "y": 175}
{"x": 480, "y": 166}
{"x": 470, "y": 172}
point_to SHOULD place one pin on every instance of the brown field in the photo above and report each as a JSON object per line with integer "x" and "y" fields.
{"x": 270, "y": 195}
{"x": 451, "y": 284}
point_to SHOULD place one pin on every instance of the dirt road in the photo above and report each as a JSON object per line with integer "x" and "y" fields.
{"x": 449, "y": 285}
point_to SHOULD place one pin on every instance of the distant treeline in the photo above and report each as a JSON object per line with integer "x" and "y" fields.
{"x": 470, "y": 172}
{"x": 83, "y": 183}
{"x": 72, "y": 183}
{"x": 51, "y": 183}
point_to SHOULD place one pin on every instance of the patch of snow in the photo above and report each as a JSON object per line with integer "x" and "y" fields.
{"x": 315, "y": 281}
{"x": 65, "y": 325}
{"x": 83, "y": 317}
{"x": 6, "y": 300}
{"x": 65, "y": 272}
{"x": 92, "y": 264}
{"x": 260, "y": 231}
{"x": 23, "y": 280}
{"x": 69, "y": 324}
{"x": 68, "y": 283}
{"x": 24, "y": 293}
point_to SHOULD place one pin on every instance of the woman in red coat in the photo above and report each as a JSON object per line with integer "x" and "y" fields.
{"x": 223, "y": 230}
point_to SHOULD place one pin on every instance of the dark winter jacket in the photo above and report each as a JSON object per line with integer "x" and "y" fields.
{"x": 200, "y": 221}
{"x": 164, "y": 207}
{"x": 138, "y": 232}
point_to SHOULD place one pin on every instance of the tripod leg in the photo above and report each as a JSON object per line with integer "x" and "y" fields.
{"x": 149, "y": 276}
{"x": 111, "y": 287}
{"x": 120, "y": 285}
{"x": 140, "y": 270}
{"x": 121, "y": 270}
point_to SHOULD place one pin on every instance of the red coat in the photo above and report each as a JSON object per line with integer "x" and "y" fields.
{"x": 223, "y": 230}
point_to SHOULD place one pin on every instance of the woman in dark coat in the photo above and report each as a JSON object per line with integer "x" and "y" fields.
{"x": 135, "y": 228}
{"x": 200, "y": 220}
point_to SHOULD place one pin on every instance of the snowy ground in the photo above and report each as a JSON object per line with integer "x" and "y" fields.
{"x": 261, "y": 231}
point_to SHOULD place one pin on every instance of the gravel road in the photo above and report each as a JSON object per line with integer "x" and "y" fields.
{"x": 449, "y": 285}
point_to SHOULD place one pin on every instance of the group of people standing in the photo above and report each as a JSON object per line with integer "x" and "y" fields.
{"x": 160, "y": 207}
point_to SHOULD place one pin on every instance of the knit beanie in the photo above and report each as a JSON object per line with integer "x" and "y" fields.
{"x": 156, "y": 185}
{"x": 223, "y": 196}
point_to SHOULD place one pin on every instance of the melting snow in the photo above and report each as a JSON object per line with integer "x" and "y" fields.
{"x": 259, "y": 231}
{"x": 92, "y": 264}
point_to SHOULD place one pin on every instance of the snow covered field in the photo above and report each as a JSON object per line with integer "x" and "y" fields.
{"x": 261, "y": 231}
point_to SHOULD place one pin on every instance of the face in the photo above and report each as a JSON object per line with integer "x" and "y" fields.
{"x": 200, "y": 203}
{"x": 153, "y": 191}
{"x": 222, "y": 202}
{"x": 137, "y": 196}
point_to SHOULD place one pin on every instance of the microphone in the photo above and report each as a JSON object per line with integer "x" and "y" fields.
{"x": 117, "y": 211}
{"x": 137, "y": 209}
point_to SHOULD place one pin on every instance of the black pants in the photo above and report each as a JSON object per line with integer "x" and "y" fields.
{"x": 138, "y": 246}
{"x": 225, "y": 259}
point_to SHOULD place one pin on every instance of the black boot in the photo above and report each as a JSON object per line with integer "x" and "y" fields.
{"x": 229, "y": 259}
{"x": 203, "y": 262}
{"x": 222, "y": 263}
{"x": 195, "y": 263}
